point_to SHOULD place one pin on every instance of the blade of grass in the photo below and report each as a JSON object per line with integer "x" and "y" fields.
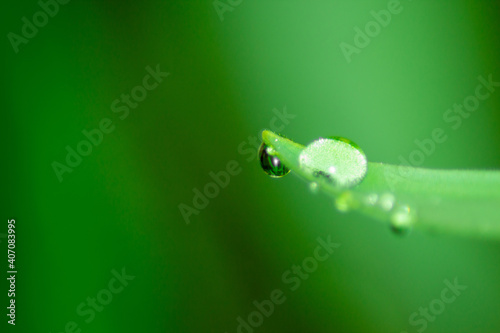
{"x": 465, "y": 202}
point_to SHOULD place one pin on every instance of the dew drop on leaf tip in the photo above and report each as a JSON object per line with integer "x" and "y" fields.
{"x": 270, "y": 163}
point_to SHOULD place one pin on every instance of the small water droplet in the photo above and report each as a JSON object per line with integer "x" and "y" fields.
{"x": 314, "y": 187}
{"x": 387, "y": 201}
{"x": 402, "y": 219}
{"x": 271, "y": 164}
{"x": 345, "y": 202}
{"x": 371, "y": 199}
{"x": 336, "y": 160}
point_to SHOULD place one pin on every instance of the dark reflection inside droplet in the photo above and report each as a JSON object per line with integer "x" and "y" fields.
{"x": 399, "y": 230}
{"x": 271, "y": 164}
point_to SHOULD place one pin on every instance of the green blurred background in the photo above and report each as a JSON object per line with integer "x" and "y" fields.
{"x": 120, "y": 207}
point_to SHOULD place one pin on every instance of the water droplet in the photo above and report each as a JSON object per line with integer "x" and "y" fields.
{"x": 402, "y": 219}
{"x": 337, "y": 160}
{"x": 271, "y": 164}
{"x": 371, "y": 199}
{"x": 314, "y": 187}
{"x": 387, "y": 201}
{"x": 345, "y": 202}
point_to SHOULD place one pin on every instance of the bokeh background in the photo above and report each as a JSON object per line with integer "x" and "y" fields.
{"x": 120, "y": 207}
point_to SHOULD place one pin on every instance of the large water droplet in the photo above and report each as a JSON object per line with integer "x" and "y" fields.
{"x": 337, "y": 160}
{"x": 271, "y": 164}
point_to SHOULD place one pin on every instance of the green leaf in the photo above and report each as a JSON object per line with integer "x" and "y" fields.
{"x": 464, "y": 202}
